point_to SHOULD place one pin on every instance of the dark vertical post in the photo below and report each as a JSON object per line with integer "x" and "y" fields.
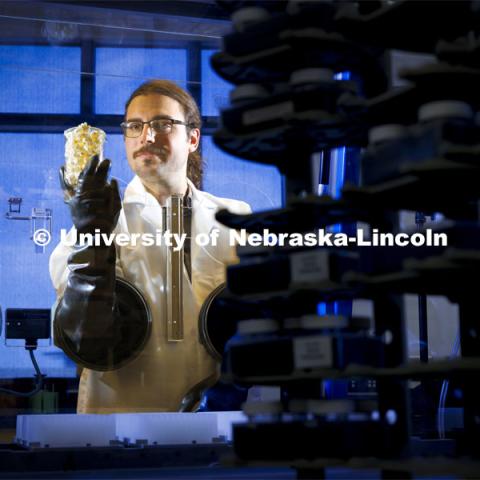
{"x": 392, "y": 393}
{"x": 87, "y": 82}
{"x": 194, "y": 72}
{"x": 470, "y": 347}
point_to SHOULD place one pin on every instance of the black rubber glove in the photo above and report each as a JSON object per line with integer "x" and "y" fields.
{"x": 95, "y": 203}
{"x": 101, "y": 322}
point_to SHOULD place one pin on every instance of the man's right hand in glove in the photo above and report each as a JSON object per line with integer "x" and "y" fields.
{"x": 95, "y": 203}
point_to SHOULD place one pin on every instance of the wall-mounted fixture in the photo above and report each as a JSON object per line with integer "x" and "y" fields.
{"x": 40, "y": 222}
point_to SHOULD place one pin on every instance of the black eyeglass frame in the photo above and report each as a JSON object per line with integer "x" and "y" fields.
{"x": 172, "y": 121}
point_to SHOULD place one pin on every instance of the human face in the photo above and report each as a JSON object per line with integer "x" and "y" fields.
{"x": 159, "y": 157}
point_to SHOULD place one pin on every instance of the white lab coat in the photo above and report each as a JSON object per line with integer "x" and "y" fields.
{"x": 164, "y": 372}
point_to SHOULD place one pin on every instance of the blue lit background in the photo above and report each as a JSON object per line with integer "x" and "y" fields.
{"x": 46, "y": 79}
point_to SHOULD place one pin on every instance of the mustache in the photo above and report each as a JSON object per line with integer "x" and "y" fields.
{"x": 149, "y": 149}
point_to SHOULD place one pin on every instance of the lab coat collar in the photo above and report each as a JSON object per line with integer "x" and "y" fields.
{"x": 136, "y": 193}
{"x": 200, "y": 198}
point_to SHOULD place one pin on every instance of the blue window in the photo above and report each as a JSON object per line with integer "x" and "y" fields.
{"x": 120, "y": 70}
{"x": 214, "y": 90}
{"x": 25, "y": 69}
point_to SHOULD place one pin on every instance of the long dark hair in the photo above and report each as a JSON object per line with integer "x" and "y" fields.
{"x": 192, "y": 117}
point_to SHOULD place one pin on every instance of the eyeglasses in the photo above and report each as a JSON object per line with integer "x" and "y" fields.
{"x": 161, "y": 126}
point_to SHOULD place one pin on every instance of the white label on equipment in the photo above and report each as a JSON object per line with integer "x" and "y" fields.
{"x": 259, "y": 115}
{"x": 309, "y": 267}
{"x": 312, "y": 352}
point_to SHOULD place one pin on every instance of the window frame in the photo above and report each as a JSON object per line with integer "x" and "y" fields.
{"x": 57, "y": 123}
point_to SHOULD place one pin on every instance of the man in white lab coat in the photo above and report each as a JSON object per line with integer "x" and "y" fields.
{"x": 111, "y": 313}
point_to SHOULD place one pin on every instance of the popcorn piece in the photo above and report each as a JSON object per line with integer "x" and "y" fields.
{"x": 82, "y": 143}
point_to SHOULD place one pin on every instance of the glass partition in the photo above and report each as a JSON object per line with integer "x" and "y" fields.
{"x": 61, "y": 65}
